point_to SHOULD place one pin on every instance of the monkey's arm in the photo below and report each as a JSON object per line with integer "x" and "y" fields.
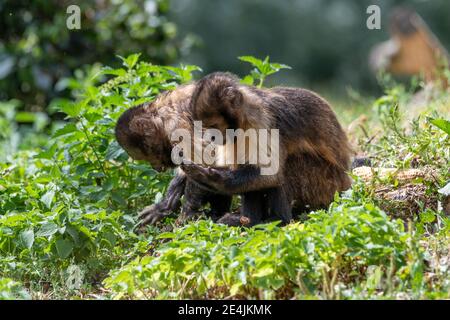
{"x": 171, "y": 202}
{"x": 231, "y": 181}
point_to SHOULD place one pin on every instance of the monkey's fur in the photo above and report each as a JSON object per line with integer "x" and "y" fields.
{"x": 314, "y": 152}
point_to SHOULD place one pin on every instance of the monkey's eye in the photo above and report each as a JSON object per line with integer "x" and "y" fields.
{"x": 180, "y": 153}
{"x": 213, "y": 138}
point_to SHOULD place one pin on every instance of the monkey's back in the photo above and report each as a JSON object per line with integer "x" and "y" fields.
{"x": 317, "y": 147}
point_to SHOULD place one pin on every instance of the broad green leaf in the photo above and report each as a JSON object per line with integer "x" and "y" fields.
{"x": 27, "y": 238}
{"x": 68, "y": 128}
{"x": 47, "y": 198}
{"x": 442, "y": 124}
{"x": 131, "y": 60}
{"x": 263, "y": 272}
{"x": 72, "y": 109}
{"x": 116, "y": 72}
{"x": 252, "y": 60}
{"x": 64, "y": 247}
{"x": 47, "y": 229}
{"x": 25, "y": 117}
{"x": 114, "y": 151}
{"x": 248, "y": 80}
{"x": 48, "y": 154}
{"x": 166, "y": 235}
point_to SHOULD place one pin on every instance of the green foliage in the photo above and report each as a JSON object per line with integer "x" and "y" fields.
{"x": 322, "y": 257}
{"x": 37, "y": 49}
{"x": 11, "y": 290}
{"x": 442, "y": 124}
{"x": 71, "y": 203}
{"x": 69, "y": 194}
{"x": 262, "y": 69}
{"x": 400, "y": 143}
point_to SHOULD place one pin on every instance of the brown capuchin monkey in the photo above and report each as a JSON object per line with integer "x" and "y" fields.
{"x": 313, "y": 153}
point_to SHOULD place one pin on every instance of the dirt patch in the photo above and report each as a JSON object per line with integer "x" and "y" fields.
{"x": 402, "y": 193}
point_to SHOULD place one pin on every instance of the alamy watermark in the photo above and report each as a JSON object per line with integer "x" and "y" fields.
{"x": 210, "y": 147}
{"x": 374, "y": 20}
{"x": 73, "y": 21}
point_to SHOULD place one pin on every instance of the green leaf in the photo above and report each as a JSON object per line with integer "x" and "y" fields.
{"x": 115, "y": 72}
{"x": 48, "y": 154}
{"x": 131, "y": 60}
{"x": 427, "y": 216}
{"x": 47, "y": 198}
{"x": 72, "y": 109}
{"x": 442, "y": 124}
{"x": 64, "y": 247}
{"x": 264, "y": 272}
{"x": 24, "y": 116}
{"x": 114, "y": 151}
{"x": 166, "y": 235}
{"x": 68, "y": 128}
{"x": 27, "y": 238}
{"x": 252, "y": 60}
{"x": 249, "y": 80}
{"x": 47, "y": 229}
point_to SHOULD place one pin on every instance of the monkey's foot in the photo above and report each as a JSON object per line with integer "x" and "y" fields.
{"x": 234, "y": 220}
{"x": 150, "y": 215}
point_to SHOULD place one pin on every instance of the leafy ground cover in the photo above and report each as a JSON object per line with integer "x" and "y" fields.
{"x": 69, "y": 197}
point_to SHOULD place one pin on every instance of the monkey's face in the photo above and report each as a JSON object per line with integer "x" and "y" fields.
{"x": 143, "y": 137}
{"x": 150, "y": 152}
{"x": 158, "y": 154}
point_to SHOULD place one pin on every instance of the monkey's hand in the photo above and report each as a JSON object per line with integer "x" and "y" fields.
{"x": 229, "y": 181}
{"x": 211, "y": 179}
{"x": 171, "y": 202}
{"x": 152, "y": 214}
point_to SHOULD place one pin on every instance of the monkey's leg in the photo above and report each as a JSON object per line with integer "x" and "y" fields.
{"x": 271, "y": 204}
{"x": 171, "y": 202}
{"x": 220, "y": 205}
{"x": 196, "y": 196}
{"x": 279, "y": 205}
{"x": 253, "y": 208}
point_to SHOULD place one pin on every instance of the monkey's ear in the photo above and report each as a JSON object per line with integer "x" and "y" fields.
{"x": 217, "y": 93}
{"x": 145, "y": 125}
{"x": 230, "y": 96}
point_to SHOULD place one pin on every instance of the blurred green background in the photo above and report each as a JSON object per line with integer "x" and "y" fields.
{"x": 325, "y": 42}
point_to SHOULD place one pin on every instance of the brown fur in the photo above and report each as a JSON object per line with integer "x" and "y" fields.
{"x": 144, "y": 131}
{"x": 314, "y": 151}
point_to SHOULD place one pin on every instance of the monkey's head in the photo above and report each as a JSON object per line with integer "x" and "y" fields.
{"x": 141, "y": 134}
{"x": 217, "y": 101}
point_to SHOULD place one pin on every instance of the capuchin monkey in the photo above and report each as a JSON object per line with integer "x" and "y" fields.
{"x": 312, "y": 156}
